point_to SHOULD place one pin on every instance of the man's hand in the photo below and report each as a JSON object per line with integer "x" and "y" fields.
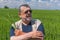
{"x": 37, "y": 34}
{"x": 18, "y": 32}
{"x": 33, "y": 34}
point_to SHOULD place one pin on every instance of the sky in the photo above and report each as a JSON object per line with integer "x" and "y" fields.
{"x": 34, "y": 4}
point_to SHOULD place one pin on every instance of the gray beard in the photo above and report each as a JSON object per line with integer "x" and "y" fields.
{"x": 27, "y": 19}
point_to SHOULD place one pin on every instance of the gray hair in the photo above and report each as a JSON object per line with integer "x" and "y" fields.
{"x": 25, "y": 5}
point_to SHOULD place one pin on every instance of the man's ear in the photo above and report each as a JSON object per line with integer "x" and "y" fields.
{"x": 19, "y": 14}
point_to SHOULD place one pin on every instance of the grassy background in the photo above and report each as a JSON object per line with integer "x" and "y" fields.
{"x": 49, "y": 18}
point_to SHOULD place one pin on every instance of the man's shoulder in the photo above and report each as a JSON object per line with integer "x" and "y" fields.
{"x": 36, "y": 20}
{"x": 33, "y": 20}
{"x": 17, "y": 23}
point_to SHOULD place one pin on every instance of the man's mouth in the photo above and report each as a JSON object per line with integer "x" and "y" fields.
{"x": 28, "y": 16}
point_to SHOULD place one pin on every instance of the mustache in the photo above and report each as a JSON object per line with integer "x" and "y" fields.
{"x": 28, "y": 16}
{"x": 27, "y": 19}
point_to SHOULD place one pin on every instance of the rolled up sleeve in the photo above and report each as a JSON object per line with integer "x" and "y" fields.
{"x": 41, "y": 28}
{"x": 12, "y": 31}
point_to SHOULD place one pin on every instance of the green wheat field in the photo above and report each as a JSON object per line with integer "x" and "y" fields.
{"x": 49, "y": 18}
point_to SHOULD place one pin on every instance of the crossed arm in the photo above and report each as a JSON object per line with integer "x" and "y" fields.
{"x": 25, "y": 36}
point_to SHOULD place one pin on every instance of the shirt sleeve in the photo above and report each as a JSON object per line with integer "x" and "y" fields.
{"x": 41, "y": 28}
{"x": 12, "y": 31}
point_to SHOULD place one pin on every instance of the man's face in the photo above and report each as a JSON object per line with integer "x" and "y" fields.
{"x": 26, "y": 13}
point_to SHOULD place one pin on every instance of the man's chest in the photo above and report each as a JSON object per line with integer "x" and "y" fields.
{"x": 27, "y": 28}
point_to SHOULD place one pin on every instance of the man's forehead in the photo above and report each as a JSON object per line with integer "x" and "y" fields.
{"x": 25, "y": 8}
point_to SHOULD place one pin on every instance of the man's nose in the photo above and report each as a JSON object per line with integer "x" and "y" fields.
{"x": 29, "y": 12}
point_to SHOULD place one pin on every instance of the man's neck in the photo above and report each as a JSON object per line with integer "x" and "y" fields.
{"x": 25, "y": 22}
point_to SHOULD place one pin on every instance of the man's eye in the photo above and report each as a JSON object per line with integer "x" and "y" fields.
{"x": 28, "y": 11}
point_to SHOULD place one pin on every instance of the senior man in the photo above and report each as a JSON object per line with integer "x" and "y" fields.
{"x": 26, "y": 28}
